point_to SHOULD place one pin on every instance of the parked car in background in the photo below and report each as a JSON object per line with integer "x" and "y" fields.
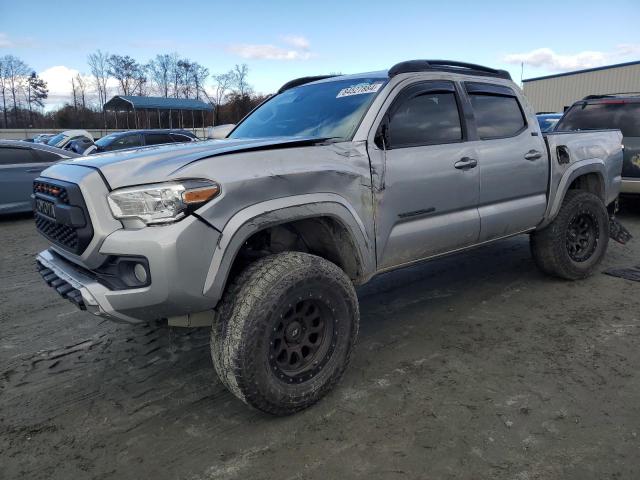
{"x": 80, "y": 146}
{"x": 140, "y": 138}
{"x": 63, "y": 139}
{"x": 20, "y": 163}
{"x": 621, "y": 111}
{"x": 548, "y": 121}
{"x": 43, "y": 137}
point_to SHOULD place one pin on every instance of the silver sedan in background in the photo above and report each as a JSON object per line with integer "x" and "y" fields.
{"x": 20, "y": 163}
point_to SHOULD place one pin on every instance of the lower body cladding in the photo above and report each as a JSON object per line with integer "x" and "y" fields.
{"x": 178, "y": 258}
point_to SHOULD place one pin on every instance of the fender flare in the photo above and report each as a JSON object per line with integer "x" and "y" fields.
{"x": 282, "y": 210}
{"x": 578, "y": 169}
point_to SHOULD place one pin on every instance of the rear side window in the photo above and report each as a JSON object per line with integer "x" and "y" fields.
{"x": 595, "y": 116}
{"x": 45, "y": 156}
{"x": 176, "y": 137}
{"x": 10, "y": 156}
{"x": 127, "y": 141}
{"x": 497, "y": 116}
{"x": 157, "y": 138}
{"x": 428, "y": 118}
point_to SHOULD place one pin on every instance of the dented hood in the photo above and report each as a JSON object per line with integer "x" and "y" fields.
{"x": 162, "y": 162}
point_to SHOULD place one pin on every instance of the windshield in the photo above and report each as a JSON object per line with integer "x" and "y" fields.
{"x": 328, "y": 109}
{"x": 106, "y": 141}
{"x": 547, "y": 123}
{"x": 57, "y": 140}
{"x": 611, "y": 114}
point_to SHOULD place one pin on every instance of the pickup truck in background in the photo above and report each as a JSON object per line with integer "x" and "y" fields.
{"x": 331, "y": 181}
{"x": 620, "y": 111}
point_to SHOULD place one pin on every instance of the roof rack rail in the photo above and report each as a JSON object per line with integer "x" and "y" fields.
{"x": 296, "y": 82}
{"x": 612, "y": 95}
{"x": 446, "y": 66}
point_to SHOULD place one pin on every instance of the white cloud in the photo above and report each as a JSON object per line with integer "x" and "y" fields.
{"x": 58, "y": 80}
{"x": 548, "y": 59}
{"x": 297, "y": 49}
{"x": 5, "y": 42}
{"x": 296, "y": 41}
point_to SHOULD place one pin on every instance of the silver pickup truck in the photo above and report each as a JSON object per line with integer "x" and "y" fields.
{"x": 328, "y": 183}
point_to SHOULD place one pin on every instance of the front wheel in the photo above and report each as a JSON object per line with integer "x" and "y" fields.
{"x": 575, "y": 242}
{"x": 285, "y": 330}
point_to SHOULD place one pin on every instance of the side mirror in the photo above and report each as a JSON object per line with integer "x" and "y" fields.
{"x": 220, "y": 131}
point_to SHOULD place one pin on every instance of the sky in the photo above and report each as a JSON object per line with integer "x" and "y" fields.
{"x": 280, "y": 40}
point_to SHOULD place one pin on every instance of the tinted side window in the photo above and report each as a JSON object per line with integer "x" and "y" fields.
{"x": 428, "y": 118}
{"x": 44, "y": 156}
{"x": 9, "y": 156}
{"x": 157, "y": 138}
{"x": 497, "y": 116}
{"x": 594, "y": 116}
{"x": 176, "y": 137}
{"x": 126, "y": 142}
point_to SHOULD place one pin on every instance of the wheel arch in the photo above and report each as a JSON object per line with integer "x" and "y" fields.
{"x": 330, "y": 212}
{"x": 588, "y": 175}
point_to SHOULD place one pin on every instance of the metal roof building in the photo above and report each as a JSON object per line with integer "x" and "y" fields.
{"x": 173, "y": 109}
{"x": 553, "y": 93}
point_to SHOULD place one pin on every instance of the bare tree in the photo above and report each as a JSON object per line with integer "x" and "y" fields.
{"x": 3, "y": 89}
{"x": 74, "y": 93}
{"x": 160, "y": 70}
{"x": 240, "y": 82}
{"x": 81, "y": 88}
{"x": 199, "y": 76}
{"x": 17, "y": 72}
{"x": 99, "y": 66}
{"x": 128, "y": 73}
{"x": 221, "y": 85}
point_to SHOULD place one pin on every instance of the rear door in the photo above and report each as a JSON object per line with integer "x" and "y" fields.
{"x": 18, "y": 168}
{"x": 429, "y": 201}
{"x": 513, "y": 162}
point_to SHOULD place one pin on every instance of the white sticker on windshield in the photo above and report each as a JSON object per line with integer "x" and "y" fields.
{"x": 359, "y": 89}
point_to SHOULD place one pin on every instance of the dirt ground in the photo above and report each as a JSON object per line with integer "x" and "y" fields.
{"x": 473, "y": 366}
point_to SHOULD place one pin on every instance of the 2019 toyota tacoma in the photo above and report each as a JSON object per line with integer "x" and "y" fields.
{"x": 331, "y": 181}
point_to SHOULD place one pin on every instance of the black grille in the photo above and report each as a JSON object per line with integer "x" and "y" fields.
{"x": 58, "y": 233}
{"x": 71, "y": 228}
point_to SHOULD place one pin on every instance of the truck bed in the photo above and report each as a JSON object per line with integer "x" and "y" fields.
{"x": 568, "y": 152}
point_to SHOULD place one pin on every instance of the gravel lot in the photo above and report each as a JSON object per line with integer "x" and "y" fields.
{"x": 472, "y": 366}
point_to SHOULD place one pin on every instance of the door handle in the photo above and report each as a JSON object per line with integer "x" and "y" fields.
{"x": 465, "y": 163}
{"x": 532, "y": 155}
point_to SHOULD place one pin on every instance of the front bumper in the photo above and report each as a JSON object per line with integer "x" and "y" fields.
{"x": 179, "y": 256}
{"x": 630, "y": 186}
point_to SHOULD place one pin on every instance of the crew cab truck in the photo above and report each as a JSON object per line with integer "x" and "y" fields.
{"x": 329, "y": 182}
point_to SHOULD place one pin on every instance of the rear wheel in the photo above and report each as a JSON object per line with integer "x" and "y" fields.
{"x": 575, "y": 242}
{"x": 285, "y": 331}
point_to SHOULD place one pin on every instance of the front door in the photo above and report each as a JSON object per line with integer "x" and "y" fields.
{"x": 428, "y": 203}
{"x": 18, "y": 168}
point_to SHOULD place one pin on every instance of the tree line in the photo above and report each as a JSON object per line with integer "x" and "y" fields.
{"x": 23, "y": 92}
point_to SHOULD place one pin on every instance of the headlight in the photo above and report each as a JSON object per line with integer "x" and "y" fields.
{"x": 161, "y": 202}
